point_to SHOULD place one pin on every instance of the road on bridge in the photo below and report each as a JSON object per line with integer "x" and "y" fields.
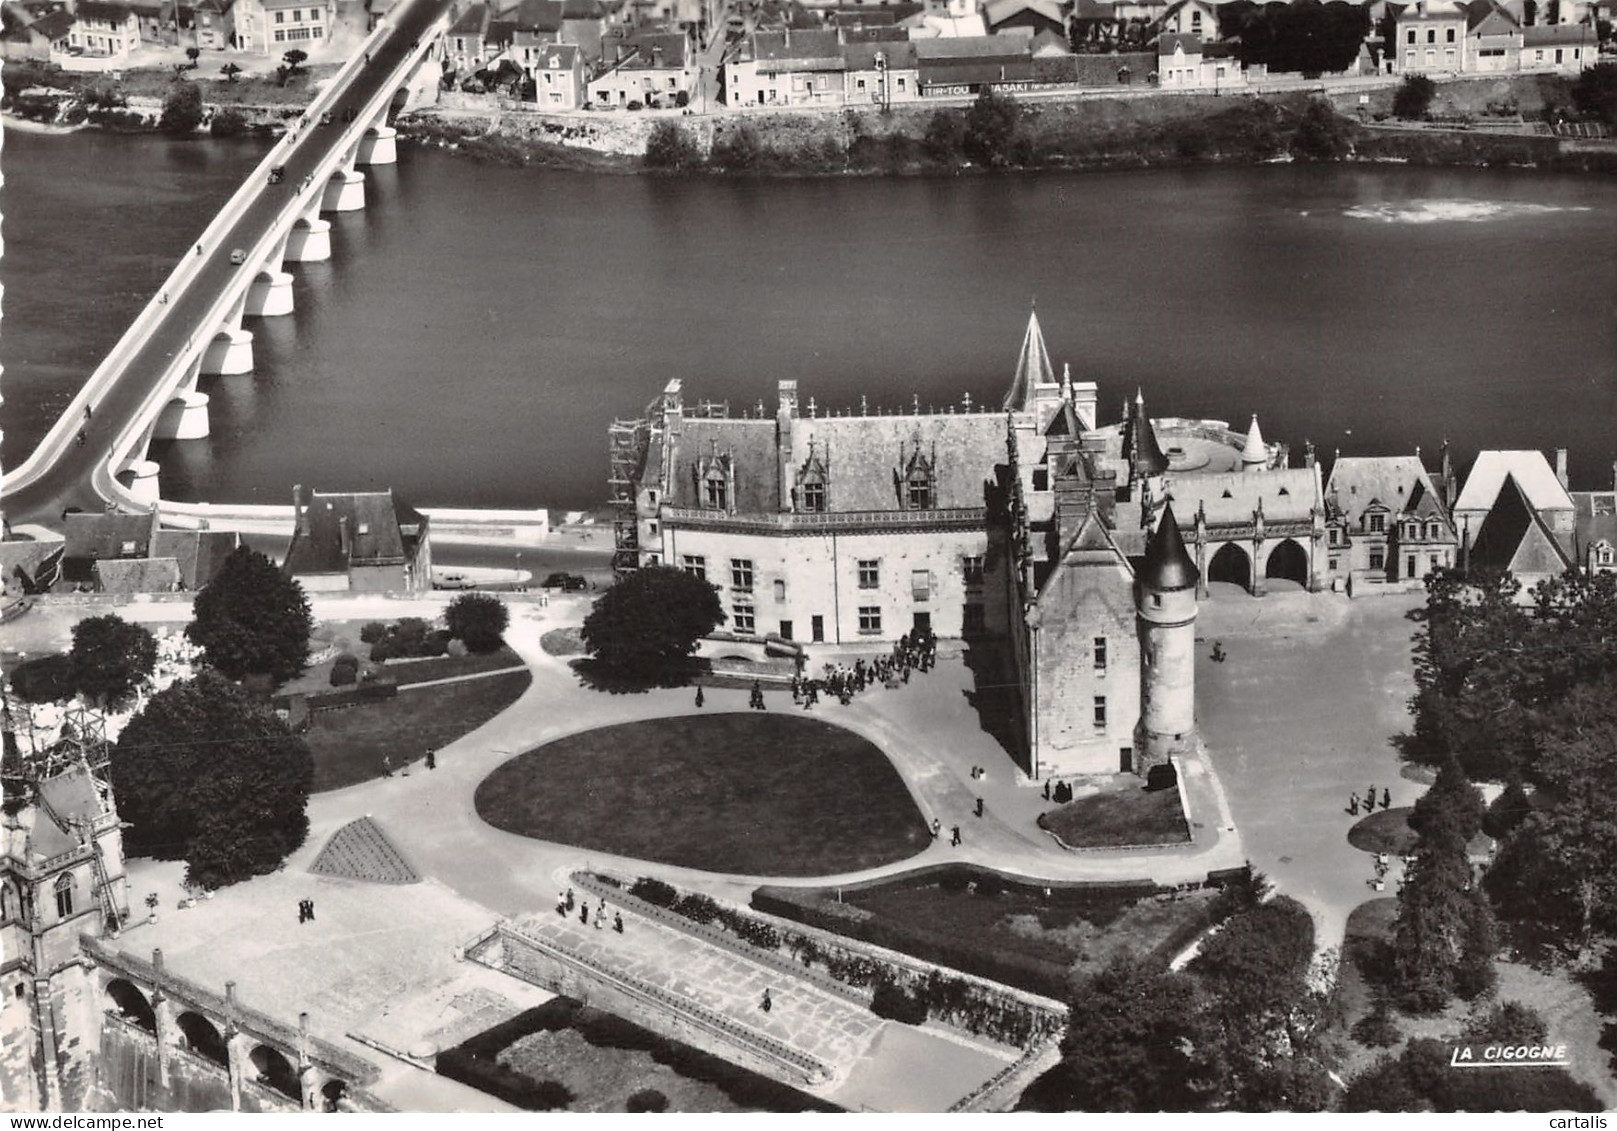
{"x": 67, "y": 481}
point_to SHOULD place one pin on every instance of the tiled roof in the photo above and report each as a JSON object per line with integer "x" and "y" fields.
{"x": 99, "y": 536}
{"x": 796, "y": 46}
{"x": 376, "y": 532}
{"x": 1595, "y": 518}
{"x": 559, "y": 57}
{"x": 470, "y": 21}
{"x": 1231, "y": 497}
{"x": 997, "y": 12}
{"x": 1167, "y": 44}
{"x": 137, "y": 575}
{"x": 537, "y": 15}
{"x": 972, "y": 48}
{"x": 1396, "y": 482}
{"x": 1531, "y": 471}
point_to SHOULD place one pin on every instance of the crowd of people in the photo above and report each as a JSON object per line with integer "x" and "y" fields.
{"x": 567, "y": 900}
{"x": 914, "y": 651}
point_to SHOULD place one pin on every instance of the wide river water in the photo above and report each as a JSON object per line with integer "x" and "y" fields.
{"x": 479, "y": 326}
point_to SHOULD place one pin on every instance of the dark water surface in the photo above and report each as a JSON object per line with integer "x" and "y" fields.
{"x": 478, "y": 326}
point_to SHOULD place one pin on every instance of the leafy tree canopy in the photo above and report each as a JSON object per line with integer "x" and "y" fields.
{"x": 1595, "y": 92}
{"x": 111, "y": 657}
{"x": 1414, "y": 95}
{"x": 669, "y": 146}
{"x": 653, "y": 616}
{"x": 182, "y": 109}
{"x": 991, "y": 127}
{"x": 479, "y": 619}
{"x": 206, "y": 774}
{"x": 1306, "y": 36}
{"x": 251, "y": 620}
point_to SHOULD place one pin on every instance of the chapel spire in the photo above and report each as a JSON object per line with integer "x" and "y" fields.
{"x": 1033, "y": 367}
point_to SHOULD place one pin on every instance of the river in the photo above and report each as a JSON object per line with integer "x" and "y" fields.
{"x": 479, "y": 326}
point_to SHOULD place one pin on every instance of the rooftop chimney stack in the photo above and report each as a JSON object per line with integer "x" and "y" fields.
{"x": 1560, "y": 466}
{"x": 300, "y": 517}
{"x": 342, "y": 535}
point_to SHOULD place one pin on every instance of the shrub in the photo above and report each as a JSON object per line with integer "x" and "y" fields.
{"x": 182, "y": 109}
{"x": 344, "y": 670}
{"x": 1414, "y": 95}
{"x": 1376, "y": 1029}
{"x": 648, "y": 1099}
{"x": 496, "y": 1079}
{"x": 372, "y": 632}
{"x": 1062, "y": 793}
{"x": 410, "y": 632}
{"x": 383, "y": 651}
{"x": 955, "y": 880}
{"x": 228, "y": 123}
{"x": 739, "y": 148}
{"x": 654, "y": 891}
{"x": 635, "y": 105}
{"x": 670, "y": 146}
{"x": 49, "y": 679}
{"x": 1321, "y": 135}
{"x": 457, "y": 648}
{"x": 989, "y": 886}
{"x": 891, "y": 1001}
{"x": 990, "y": 128}
{"x": 478, "y": 619}
{"x": 697, "y": 908}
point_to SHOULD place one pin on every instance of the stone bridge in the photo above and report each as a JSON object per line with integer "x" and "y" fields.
{"x": 164, "y": 1036}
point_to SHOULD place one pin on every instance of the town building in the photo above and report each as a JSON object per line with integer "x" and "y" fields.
{"x": 35, "y": 31}
{"x": 1564, "y": 48}
{"x": 881, "y": 72}
{"x": 1594, "y": 528}
{"x": 1493, "y": 39}
{"x": 1430, "y": 37}
{"x": 1515, "y": 537}
{"x": 274, "y": 27}
{"x": 101, "y": 31}
{"x": 1542, "y": 487}
{"x": 1385, "y": 523}
{"x": 464, "y": 42}
{"x": 1192, "y": 17}
{"x": 558, "y": 77}
{"x": 1185, "y": 62}
{"x": 786, "y": 68}
{"x": 964, "y": 64}
{"x": 361, "y": 542}
{"x": 655, "y": 70}
{"x": 132, "y": 553}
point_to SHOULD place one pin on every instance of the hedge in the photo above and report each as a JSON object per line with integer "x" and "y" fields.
{"x": 373, "y": 692}
{"x": 503, "y": 1083}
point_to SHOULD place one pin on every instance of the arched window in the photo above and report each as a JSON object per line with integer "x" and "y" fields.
{"x": 65, "y": 886}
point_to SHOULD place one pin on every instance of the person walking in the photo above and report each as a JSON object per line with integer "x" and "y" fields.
{"x": 432, "y": 760}
{"x": 937, "y": 827}
{"x": 1386, "y": 798}
{"x": 699, "y": 699}
{"x": 310, "y": 902}
{"x": 954, "y": 836}
{"x": 766, "y": 1005}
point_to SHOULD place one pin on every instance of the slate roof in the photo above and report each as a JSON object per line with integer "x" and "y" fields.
{"x": 1595, "y": 518}
{"x": 786, "y": 50}
{"x": 1140, "y": 446}
{"x": 559, "y": 57}
{"x": 1531, "y": 471}
{"x": 471, "y": 21}
{"x": 1032, "y": 365}
{"x": 1230, "y": 498}
{"x": 972, "y": 48}
{"x": 53, "y": 26}
{"x": 1558, "y": 35}
{"x": 381, "y": 531}
{"x": 1485, "y": 17}
{"x": 900, "y": 55}
{"x": 996, "y": 12}
{"x": 1167, "y": 44}
{"x": 1514, "y": 537}
{"x": 66, "y": 798}
{"x": 1168, "y": 565}
{"x": 103, "y": 10}
{"x": 537, "y": 15}
{"x": 866, "y": 455}
{"x": 498, "y": 34}
{"x": 137, "y": 575}
{"x": 751, "y": 446}
{"x": 199, "y": 553}
{"x": 673, "y": 51}
{"x": 1400, "y": 483}
{"x": 99, "y": 536}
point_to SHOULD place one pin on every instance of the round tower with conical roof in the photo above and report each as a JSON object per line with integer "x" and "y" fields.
{"x": 1166, "y": 619}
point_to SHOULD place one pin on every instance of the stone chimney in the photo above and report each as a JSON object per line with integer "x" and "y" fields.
{"x": 1560, "y": 466}
{"x": 343, "y": 539}
{"x": 300, "y": 517}
{"x": 656, "y": 54}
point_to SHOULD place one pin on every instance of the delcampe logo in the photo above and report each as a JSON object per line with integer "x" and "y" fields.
{"x": 1508, "y": 1056}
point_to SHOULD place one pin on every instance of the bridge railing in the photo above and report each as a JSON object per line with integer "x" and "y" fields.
{"x": 185, "y": 271}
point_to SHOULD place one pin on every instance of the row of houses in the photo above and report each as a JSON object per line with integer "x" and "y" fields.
{"x": 350, "y": 541}
{"x": 1486, "y": 37}
{"x": 109, "y": 32}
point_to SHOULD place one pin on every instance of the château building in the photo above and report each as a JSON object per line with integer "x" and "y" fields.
{"x": 1068, "y": 551}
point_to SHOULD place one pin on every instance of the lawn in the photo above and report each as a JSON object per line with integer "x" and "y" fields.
{"x": 1386, "y": 831}
{"x": 757, "y": 793}
{"x": 1119, "y": 817}
{"x": 343, "y": 635}
{"x": 349, "y": 745}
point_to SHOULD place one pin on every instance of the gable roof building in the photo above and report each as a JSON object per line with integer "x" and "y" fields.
{"x": 1543, "y": 487}
{"x": 363, "y": 541}
{"x": 1515, "y": 537}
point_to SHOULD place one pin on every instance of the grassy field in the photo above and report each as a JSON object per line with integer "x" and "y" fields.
{"x": 349, "y": 745}
{"x": 756, "y": 793}
{"x": 1119, "y": 817}
{"x": 1386, "y": 831}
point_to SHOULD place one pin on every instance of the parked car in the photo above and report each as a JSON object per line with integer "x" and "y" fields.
{"x": 452, "y": 581}
{"x": 567, "y": 582}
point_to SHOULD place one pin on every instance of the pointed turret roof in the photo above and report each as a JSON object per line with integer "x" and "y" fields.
{"x": 1032, "y": 366}
{"x": 1256, "y": 452}
{"x": 1167, "y": 563}
{"x": 1140, "y": 447}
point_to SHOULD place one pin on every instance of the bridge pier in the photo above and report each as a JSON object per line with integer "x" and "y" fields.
{"x": 345, "y": 192}
{"x": 309, "y": 241}
{"x": 143, "y": 483}
{"x": 230, "y": 352}
{"x": 270, "y": 294}
{"x": 379, "y": 146}
{"x": 183, "y": 418}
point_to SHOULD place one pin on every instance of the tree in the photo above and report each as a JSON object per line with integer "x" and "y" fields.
{"x": 206, "y": 774}
{"x": 1507, "y": 1023}
{"x": 991, "y": 126}
{"x": 110, "y": 658}
{"x": 739, "y": 148}
{"x": 1321, "y": 135}
{"x": 182, "y": 109}
{"x": 230, "y": 71}
{"x": 1306, "y": 36}
{"x": 1595, "y": 93}
{"x": 1414, "y": 95}
{"x": 193, "y": 54}
{"x": 250, "y": 620}
{"x": 945, "y": 137}
{"x": 294, "y": 59}
{"x": 652, "y": 617}
{"x": 478, "y": 619}
{"x": 1430, "y": 930}
{"x": 1131, "y": 1045}
{"x": 1453, "y": 806}
{"x": 669, "y": 147}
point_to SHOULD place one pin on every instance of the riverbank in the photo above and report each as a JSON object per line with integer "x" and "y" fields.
{"x": 1100, "y": 131}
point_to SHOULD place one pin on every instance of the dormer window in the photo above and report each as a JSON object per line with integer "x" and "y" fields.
{"x": 814, "y": 496}
{"x": 918, "y": 490}
{"x": 1378, "y": 524}
{"x": 811, "y": 484}
{"x": 714, "y": 493}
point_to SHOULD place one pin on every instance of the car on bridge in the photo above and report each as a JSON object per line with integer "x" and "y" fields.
{"x": 238, "y": 256}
